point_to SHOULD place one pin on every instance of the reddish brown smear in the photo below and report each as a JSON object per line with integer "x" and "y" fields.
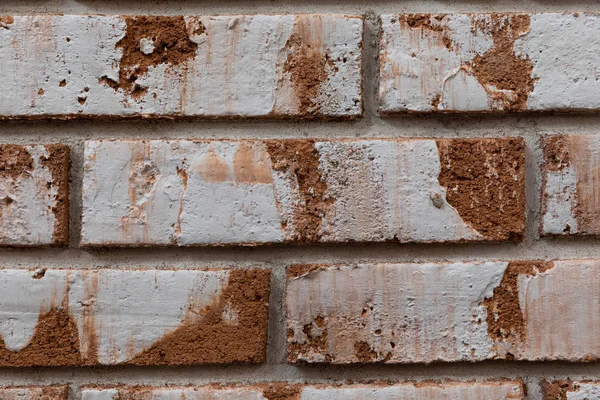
{"x": 364, "y": 353}
{"x": 557, "y": 390}
{"x": 282, "y": 392}
{"x": 15, "y": 161}
{"x": 211, "y": 340}
{"x": 300, "y": 159}
{"x": 501, "y": 67}
{"x": 316, "y": 344}
{"x": 58, "y": 162}
{"x": 55, "y": 342}
{"x": 479, "y": 175}
{"x": 306, "y": 65}
{"x": 424, "y": 22}
{"x": 505, "y": 320}
{"x": 172, "y": 46}
{"x": 556, "y": 152}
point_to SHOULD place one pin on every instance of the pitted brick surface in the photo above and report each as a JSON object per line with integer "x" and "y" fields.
{"x": 489, "y": 62}
{"x": 59, "y": 317}
{"x": 263, "y": 66}
{"x": 463, "y": 311}
{"x": 34, "y": 393}
{"x": 183, "y": 192}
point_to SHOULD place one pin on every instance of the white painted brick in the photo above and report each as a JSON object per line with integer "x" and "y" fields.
{"x": 571, "y": 390}
{"x": 489, "y": 62}
{"x": 496, "y": 390}
{"x": 34, "y": 195}
{"x": 34, "y": 393}
{"x": 469, "y": 311}
{"x": 143, "y": 317}
{"x": 185, "y": 192}
{"x": 70, "y": 66}
{"x": 571, "y": 185}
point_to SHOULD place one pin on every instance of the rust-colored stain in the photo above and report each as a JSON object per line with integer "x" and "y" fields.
{"x": 500, "y": 66}
{"x": 15, "y": 161}
{"x": 172, "y": 46}
{"x": 426, "y": 22}
{"x": 306, "y": 62}
{"x": 55, "y": 342}
{"x": 313, "y": 343}
{"x": 182, "y": 174}
{"x": 485, "y": 181}
{"x": 90, "y": 345}
{"x": 282, "y": 391}
{"x": 58, "y": 162}
{"x": 210, "y": 340}
{"x": 505, "y": 319}
{"x": 251, "y": 164}
{"x": 557, "y": 390}
{"x": 300, "y": 159}
{"x": 213, "y": 168}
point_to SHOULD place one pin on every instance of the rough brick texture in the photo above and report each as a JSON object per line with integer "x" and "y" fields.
{"x": 489, "y": 62}
{"x": 570, "y": 390}
{"x": 141, "y": 317}
{"x": 302, "y": 191}
{"x": 469, "y": 311}
{"x": 34, "y": 195}
{"x": 34, "y": 393}
{"x": 496, "y": 390}
{"x": 69, "y": 66}
{"x": 571, "y": 185}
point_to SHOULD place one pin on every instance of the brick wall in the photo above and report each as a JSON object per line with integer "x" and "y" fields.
{"x": 299, "y": 200}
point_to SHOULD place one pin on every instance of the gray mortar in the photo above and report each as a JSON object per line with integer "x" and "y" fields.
{"x": 74, "y": 133}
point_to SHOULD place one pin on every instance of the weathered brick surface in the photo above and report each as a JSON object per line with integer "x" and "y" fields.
{"x": 496, "y": 390}
{"x": 469, "y": 311}
{"x": 69, "y": 66}
{"x": 570, "y": 390}
{"x": 34, "y": 195}
{"x": 489, "y": 62}
{"x": 141, "y": 317}
{"x": 302, "y": 191}
{"x": 571, "y": 185}
{"x": 34, "y": 393}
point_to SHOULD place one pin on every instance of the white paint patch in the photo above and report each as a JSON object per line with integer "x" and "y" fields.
{"x": 124, "y": 311}
{"x": 26, "y": 216}
{"x": 237, "y": 71}
{"x": 424, "y": 69}
{"x": 560, "y": 200}
{"x": 405, "y": 313}
{"x": 585, "y": 391}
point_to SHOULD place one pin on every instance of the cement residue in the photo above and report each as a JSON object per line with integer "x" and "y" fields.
{"x": 306, "y": 62}
{"x": 485, "y": 182}
{"x": 171, "y": 46}
{"x": 557, "y": 390}
{"x": 505, "y": 320}
{"x": 58, "y": 163}
{"x": 15, "y": 161}
{"x": 500, "y": 69}
{"x": 300, "y": 159}
{"x": 210, "y": 340}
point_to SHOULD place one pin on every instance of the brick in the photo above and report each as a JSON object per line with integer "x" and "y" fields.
{"x": 464, "y": 311}
{"x": 34, "y": 195}
{"x": 489, "y": 62}
{"x": 60, "y": 317}
{"x": 34, "y": 393}
{"x": 570, "y": 390}
{"x": 183, "y": 192}
{"x": 78, "y": 66}
{"x": 493, "y": 390}
{"x": 571, "y": 185}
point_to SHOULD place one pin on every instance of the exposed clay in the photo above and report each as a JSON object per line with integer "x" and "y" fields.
{"x": 485, "y": 181}
{"x": 556, "y": 152}
{"x": 172, "y": 46}
{"x": 505, "y": 321}
{"x": 58, "y": 163}
{"x": 55, "y": 342}
{"x": 211, "y": 341}
{"x": 281, "y": 391}
{"x": 364, "y": 352}
{"x": 300, "y": 159}
{"x": 424, "y": 21}
{"x": 314, "y": 342}
{"x": 296, "y": 270}
{"x": 5, "y": 21}
{"x": 15, "y": 161}
{"x": 306, "y": 63}
{"x": 557, "y": 390}
{"x": 500, "y": 67}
